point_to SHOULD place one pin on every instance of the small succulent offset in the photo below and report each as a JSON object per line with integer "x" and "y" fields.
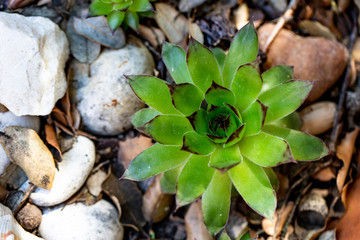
{"x": 221, "y": 125}
{"x": 121, "y": 11}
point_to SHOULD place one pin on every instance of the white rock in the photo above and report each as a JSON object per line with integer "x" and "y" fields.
{"x": 79, "y": 222}
{"x": 9, "y": 119}
{"x": 33, "y": 53}
{"x": 73, "y": 172}
{"x": 105, "y": 100}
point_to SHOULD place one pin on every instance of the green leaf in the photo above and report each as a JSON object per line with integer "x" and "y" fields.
{"x": 246, "y": 236}
{"x": 132, "y": 20}
{"x": 199, "y": 122}
{"x": 174, "y": 58}
{"x": 141, "y": 6}
{"x": 303, "y": 146}
{"x": 98, "y": 8}
{"x": 218, "y": 95}
{"x": 235, "y": 137}
{"x": 275, "y": 76}
{"x": 197, "y": 144}
{"x": 246, "y": 86}
{"x": 265, "y": 150}
{"x": 285, "y": 98}
{"x": 202, "y": 66}
{"x": 143, "y": 116}
{"x": 186, "y": 97}
{"x": 145, "y": 87}
{"x": 114, "y": 19}
{"x": 225, "y": 158}
{"x": 224, "y": 236}
{"x": 292, "y": 121}
{"x": 243, "y": 49}
{"x": 254, "y": 186}
{"x": 254, "y": 117}
{"x": 220, "y": 56}
{"x": 149, "y": 14}
{"x": 216, "y": 202}
{"x": 169, "y": 178}
{"x": 121, "y": 6}
{"x": 167, "y": 129}
{"x": 193, "y": 179}
{"x": 272, "y": 177}
{"x": 154, "y": 160}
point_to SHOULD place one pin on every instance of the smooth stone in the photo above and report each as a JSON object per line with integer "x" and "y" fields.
{"x": 9, "y": 119}
{"x": 315, "y": 59}
{"x": 33, "y": 53}
{"x": 72, "y": 173}
{"x": 105, "y": 100}
{"x": 78, "y": 222}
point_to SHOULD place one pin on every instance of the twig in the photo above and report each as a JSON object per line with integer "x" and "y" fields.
{"x": 339, "y": 108}
{"x": 287, "y": 16}
{"x": 292, "y": 213}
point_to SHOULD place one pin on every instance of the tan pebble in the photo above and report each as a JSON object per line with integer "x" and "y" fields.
{"x": 315, "y": 59}
{"x": 318, "y": 118}
{"x": 29, "y": 217}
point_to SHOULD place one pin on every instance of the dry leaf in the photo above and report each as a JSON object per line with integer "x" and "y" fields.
{"x": 195, "y": 32}
{"x": 274, "y": 226}
{"x": 3, "y": 108}
{"x": 24, "y": 147}
{"x": 315, "y": 28}
{"x": 82, "y": 49}
{"x": 96, "y": 29}
{"x": 3, "y": 193}
{"x": 13, "y": 4}
{"x": 13, "y": 177}
{"x": 131, "y": 147}
{"x": 195, "y": 227}
{"x": 344, "y": 152}
{"x": 52, "y": 140}
{"x": 348, "y": 226}
{"x": 129, "y": 197}
{"x": 154, "y": 35}
{"x": 241, "y": 16}
{"x": 324, "y": 175}
{"x": 156, "y": 204}
{"x": 173, "y": 24}
{"x": 187, "y": 5}
{"x": 95, "y": 181}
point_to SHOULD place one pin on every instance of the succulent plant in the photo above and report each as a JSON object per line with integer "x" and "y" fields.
{"x": 222, "y": 124}
{"x": 121, "y": 11}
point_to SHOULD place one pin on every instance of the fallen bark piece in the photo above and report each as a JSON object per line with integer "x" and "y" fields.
{"x": 72, "y": 174}
{"x": 24, "y": 147}
{"x": 314, "y": 58}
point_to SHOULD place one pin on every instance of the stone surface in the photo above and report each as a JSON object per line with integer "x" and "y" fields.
{"x": 314, "y": 58}
{"x": 33, "y": 53}
{"x": 105, "y": 100}
{"x": 9, "y": 119}
{"x": 72, "y": 172}
{"x": 78, "y": 222}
